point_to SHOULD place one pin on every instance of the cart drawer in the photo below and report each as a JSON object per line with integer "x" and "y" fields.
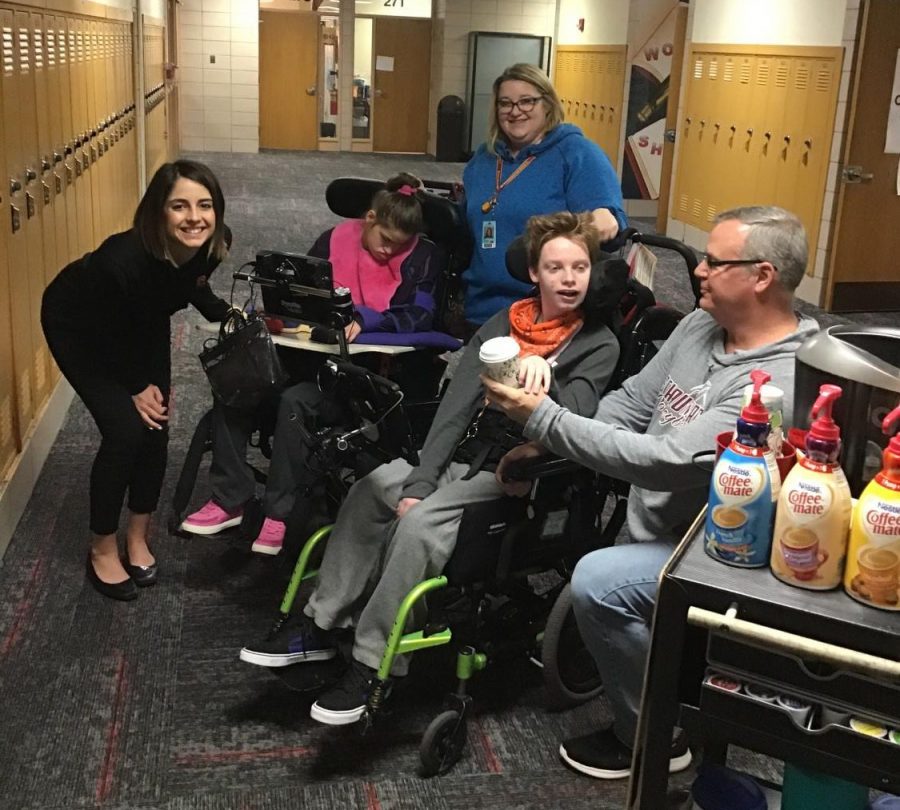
{"x": 817, "y": 681}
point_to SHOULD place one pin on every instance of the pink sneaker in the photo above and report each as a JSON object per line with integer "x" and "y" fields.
{"x": 211, "y": 518}
{"x": 270, "y": 538}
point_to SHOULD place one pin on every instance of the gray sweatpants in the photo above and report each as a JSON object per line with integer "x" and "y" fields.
{"x": 369, "y": 550}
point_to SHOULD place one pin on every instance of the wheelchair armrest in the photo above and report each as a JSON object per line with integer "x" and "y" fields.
{"x": 540, "y": 467}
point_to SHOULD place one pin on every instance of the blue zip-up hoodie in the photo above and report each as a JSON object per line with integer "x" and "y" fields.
{"x": 569, "y": 173}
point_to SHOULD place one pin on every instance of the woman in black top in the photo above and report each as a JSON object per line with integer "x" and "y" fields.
{"x": 106, "y": 320}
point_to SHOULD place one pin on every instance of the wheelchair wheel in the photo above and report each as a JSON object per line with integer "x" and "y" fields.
{"x": 570, "y": 674}
{"x": 442, "y": 743}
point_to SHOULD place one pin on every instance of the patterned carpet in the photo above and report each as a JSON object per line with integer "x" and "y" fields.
{"x": 146, "y": 705}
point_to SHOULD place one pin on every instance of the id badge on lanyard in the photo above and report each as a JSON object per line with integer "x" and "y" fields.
{"x": 488, "y": 234}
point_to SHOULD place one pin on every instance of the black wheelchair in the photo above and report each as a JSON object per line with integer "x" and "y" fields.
{"x": 485, "y": 602}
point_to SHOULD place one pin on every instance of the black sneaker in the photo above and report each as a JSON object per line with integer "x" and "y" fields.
{"x": 603, "y": 756}
{"x": 345, "y": 702}
{"x": 299, "y": 640}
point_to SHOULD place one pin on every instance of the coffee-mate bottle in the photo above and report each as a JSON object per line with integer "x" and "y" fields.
{"x": 813, "y": 514}
{"x": 744, "y": 489}
{"x": 873, "y": 560}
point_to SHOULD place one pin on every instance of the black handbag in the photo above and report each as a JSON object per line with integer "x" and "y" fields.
{"x": 241, "y": 363}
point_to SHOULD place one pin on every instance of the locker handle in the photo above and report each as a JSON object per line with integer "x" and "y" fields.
{"x": 57, "y": 157}
{"x": 45, "y": 164}
{"x": 612, "y": 109}
{"x": 717, "y": 125}
{"x": 30, "y": 174}
{"x": 749, "y": 130}
{"x": 702, "y": 122}
{"x": 68, "y": 149}
{"x": 733, "y": 128}
{"x": 768, "y": 134}
{"x": 14, "y": 185}
{"x": 808, "y": 143}
{"x": 687, "y": 120}
{"x": 787, "y": 138}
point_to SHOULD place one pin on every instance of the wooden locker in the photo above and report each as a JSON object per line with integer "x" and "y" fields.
{"x": 14, "y": 221}
{"x": 8, "y": 428}
{"x": 64, "y": 172}
{"x": 562, "y": 80}
{"x": 815, "y": 145}
{"x": 790, "y": 145}
{"x": 102, "y": 185}
{"x": 53, "y": 171}
{"x": 772, "y": 74}
{"x": 693, "y": 173}
{"x": 35, "y": 233}
{"x": 80, "y": 120}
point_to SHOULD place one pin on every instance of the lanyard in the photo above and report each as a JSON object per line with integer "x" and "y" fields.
{"x": 488, "y": 205}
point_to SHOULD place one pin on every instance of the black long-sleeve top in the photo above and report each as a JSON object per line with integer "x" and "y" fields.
{"x": 119, "y": 300}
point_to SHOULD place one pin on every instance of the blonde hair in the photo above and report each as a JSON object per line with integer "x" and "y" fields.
{"x": 534, "y": 76}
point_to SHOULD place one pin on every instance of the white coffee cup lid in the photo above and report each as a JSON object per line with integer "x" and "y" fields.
{"x": 498, "y": 349}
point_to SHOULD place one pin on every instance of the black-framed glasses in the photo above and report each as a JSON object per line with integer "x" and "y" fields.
{"x": 713, "y": 264}
{"x": 525, "y": 104}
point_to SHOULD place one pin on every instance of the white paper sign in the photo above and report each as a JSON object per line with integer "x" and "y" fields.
{"x": 384, "y": 63}
{"x": 892, "y": 141}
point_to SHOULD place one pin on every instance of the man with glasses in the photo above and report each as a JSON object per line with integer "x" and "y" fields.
{"x": 647, "y": 433}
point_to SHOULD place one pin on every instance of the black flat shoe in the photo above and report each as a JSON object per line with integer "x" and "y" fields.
{"x": 143, "y": 575}
{"x": 124, "y": 591}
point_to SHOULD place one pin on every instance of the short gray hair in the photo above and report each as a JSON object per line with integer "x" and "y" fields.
{"x": 776, "y": 235}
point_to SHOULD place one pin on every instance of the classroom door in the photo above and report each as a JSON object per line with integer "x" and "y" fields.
{"x": 863, "y": 273}
{"x": 402, "y": 51}
{"x": 288, "y": 47}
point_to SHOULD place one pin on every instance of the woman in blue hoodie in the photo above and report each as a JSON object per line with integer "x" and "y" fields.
{"x": 531, "y": 163}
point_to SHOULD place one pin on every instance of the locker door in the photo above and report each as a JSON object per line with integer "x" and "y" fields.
{"x": 790, "y": 147}
{"x": 14, "y": 223}
{"x": 78, "y": 89}
{"x": 694, "y": 182}
{"x": 613, "y": 98}
{"x": 102, "y": 185}
{"x": 52, "y": 152}
{"x": 815, "y": 145}
{"x": 8, "y": 429}
{"x": 739, "y": 171}
{"x": 562, "y": 80}
{"x": 64, "y": 171}
{"x": 769, "y": 105}
{"x": 35, "y": 233}
{"x": 89, "y": 148}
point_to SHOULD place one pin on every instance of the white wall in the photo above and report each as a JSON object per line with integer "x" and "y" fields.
{"x": 605, "y": 22}
{"x": 769, "y": 22}
{"x": 219, "y": 102}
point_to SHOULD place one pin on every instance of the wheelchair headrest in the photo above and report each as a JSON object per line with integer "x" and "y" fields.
{"x": 606, "y": 289}
{"x": 351, "y": 197}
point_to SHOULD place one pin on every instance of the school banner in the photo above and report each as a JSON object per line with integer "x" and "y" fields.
{"x": 647, "y": 103}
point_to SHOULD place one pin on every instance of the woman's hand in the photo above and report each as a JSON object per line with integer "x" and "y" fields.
{"x": 605, "y": 223}
{"x": 517, "y": 489}
{"x": 149, "y": 404}
{"x": 534, "y": 374}
{"x": 352, "y": 330}
{"x": 405, "y": 505}
{"x": 516, "y": 403}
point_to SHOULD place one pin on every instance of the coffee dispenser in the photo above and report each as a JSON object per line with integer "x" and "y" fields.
{"x": 865, "y": 362}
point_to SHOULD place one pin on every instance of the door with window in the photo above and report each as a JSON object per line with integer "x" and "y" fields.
{"x": 288, "y": 48}
{"x": 867, "y": 242}
{"x": 399, "y": 105}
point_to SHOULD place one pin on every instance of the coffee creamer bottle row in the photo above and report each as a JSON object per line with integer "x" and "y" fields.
{"x": 873, "y": 560}
{"x": 813, "y": 514}
{"x": 744, "y": 488}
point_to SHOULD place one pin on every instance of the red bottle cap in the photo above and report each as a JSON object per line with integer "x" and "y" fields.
{"x": 824, "y": 427}
{"x": 755, "y": 411}
{"x": 889, "y": 425}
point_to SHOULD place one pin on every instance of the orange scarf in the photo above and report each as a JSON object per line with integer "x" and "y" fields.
{"x": 542, "y": 338}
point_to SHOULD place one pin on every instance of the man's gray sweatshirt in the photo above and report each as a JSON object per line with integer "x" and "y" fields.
{"x": 647, "y": 432}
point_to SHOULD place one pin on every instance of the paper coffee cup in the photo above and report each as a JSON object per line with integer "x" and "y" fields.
{"x": 500, "y": 357}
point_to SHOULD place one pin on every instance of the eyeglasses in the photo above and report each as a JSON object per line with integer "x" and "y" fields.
{"x": 525, "y": 104}
{"x": 714, "y": 264}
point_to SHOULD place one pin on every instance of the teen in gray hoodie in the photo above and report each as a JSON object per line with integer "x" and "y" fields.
{"x": 647, "y": 433}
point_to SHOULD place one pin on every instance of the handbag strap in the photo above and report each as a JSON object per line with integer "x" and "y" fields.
{"x": 234, "y": 321}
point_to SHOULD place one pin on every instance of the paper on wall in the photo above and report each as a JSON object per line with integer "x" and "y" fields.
{"x": 384, "y": 63}
{"x": 892, "y": 139}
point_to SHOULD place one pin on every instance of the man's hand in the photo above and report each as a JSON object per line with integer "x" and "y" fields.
{"x": 352, "y": 330}
{"x": 517, "y": 489}
{"x": 535, "y": 374}
{"x": 405, "y": 505}
{"x": 149, "y": 404}
{"x": 516, "y": 403}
